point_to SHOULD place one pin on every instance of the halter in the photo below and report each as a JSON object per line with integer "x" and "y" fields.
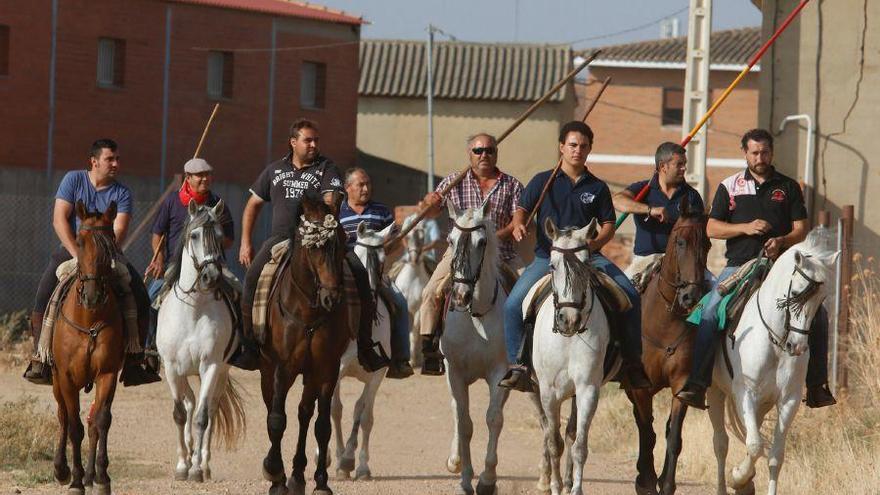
{"x": 472, "y": 282}
{"x": 213, "y": 259}
{"x": 82, "y": 278}
{"x": 678, "y": 285}
{"x": 791, "y": 303}
{"x": 569, "y": 256}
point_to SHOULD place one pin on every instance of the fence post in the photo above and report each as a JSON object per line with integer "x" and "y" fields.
{"x": 846, "y": 222}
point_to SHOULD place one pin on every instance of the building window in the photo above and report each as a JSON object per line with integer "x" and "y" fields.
{"x": 111, "y": 62}
{"x": 673, "y": 106}
{"x": 313, "y": 80}
{"x": 4, "y": 50}
{"x": 221, "y": 70}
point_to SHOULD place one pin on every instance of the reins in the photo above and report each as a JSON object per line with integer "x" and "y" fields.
{"x": 461, "y": 263}
{"x": 572, "y": 282}
{"x": 791, "y": 304}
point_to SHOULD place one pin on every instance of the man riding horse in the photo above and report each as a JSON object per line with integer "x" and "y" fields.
{"x": 756, "y": 210}
{"x": 96, "y": 187}
{"x": 483, "y": 182}
{"x": 283, "y": 183}
{"x": 575, "y": 198}
{"x": 359, "y": 207}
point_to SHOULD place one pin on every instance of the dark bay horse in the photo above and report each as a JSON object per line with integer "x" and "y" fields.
{"x": 307, "y": 335}
{"x": 88, "y": 348}
{"x": 668, "y": 342}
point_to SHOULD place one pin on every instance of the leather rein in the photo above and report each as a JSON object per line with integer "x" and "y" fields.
{"x": 472, "y": 281}
{"x": 570, "y": 256}
{"x": 791, "y": 303}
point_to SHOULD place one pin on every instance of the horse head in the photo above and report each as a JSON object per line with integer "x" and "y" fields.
{"x": 472, "y": 240}
{"x": 571, "y": 276}
{"x": 370, "y": 249}
{"x": 202, "y": 243}
{"x": 684, "y": 265}
{"x": 321, "y": 247}
{"x": 95, "y": 252}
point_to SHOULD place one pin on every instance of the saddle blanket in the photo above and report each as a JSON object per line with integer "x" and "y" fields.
{"x": 735, "y": 291}
{"x": 610, "y": 295}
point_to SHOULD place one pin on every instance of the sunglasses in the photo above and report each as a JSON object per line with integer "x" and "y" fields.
{"x": 489, "y": 150}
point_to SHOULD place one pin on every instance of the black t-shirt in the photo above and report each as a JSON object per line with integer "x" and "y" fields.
{"x": 284, "y": 185}
{"x": 740, "y": 199}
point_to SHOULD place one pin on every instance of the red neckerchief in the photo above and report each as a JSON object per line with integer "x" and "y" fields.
{"x": 186, "y": 194}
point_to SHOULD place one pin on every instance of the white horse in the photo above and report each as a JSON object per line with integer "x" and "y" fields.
{"x": 769, "y": 359}
{"x": 411, "y": 281}
{"x": 194, "y": 336}
{"x": 568, "y": 353}
{"x": 473, "y": 341}
{"x": 370, "y": 250}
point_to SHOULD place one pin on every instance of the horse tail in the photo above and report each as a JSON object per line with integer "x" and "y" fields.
{"x": 230, "y": 417}
{"x": 734, "y": 422}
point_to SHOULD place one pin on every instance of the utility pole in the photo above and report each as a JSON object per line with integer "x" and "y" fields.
{"x": 430, "y": 64}
{"x": 696, "y": 89}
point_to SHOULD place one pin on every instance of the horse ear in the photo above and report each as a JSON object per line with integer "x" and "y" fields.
{"x": 218, "y": 209}
{"x": 592, "y": 229}
{"x": 798, "y": 258}
{"x": 80, "y": 209}
{"x": 830, "y": 259}
{"x": 550, "y": 229}
{"x": 362, "y": 229}
{"x": 192, "y": 207}
{"x": 110, "y": 212}
{"x": 384, "y": 233}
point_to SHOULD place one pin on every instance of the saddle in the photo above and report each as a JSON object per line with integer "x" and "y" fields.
{"x": 642, "y": 279}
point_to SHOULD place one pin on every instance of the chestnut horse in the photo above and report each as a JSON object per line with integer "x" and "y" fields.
{"x": 88, "y": 348}
{"x": 307, "y": 333}
{"x": 666, "y": 302}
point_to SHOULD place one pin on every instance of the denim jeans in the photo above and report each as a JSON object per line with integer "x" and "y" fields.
{"x": 632, "y": 339}
{"x": 707, "y": 331}
{"x": 152, "y": 292}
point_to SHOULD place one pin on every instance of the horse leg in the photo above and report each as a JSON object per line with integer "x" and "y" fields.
{"x": 105, "y": 390}
{"x": 569, "y": 437}
{"x": 322, "y": 434}
{"x": 346, "y": 457}
{"x": 552, "y": 438}
{"x": 460, "y": 458}
{"x": 178, "y": 385}
{"x": 587, "y": 400}
{"x": 92, "y": 430}
{"x": 336, "y": 415}
{"x": 367, "y": 418}
{"x": 62, "y": 469}
{"x": 715, "y": 401}
{"x": 220, "y": 383}
{"x": 275, "y": 383}
{"x": 786, "y": 410}
{"x": 76, "y": 432}
{"x": 673, "y": 446}
{"x": 642, "y": 401}
{"x": 209, "y": 378}
{"x": 494, "y": 422}
{"x": 742, "y": 475}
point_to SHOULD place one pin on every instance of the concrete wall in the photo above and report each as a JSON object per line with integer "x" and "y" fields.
{"x": 827, "y": 65}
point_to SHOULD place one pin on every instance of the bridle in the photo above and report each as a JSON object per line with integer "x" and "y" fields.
{"x": 792, "y": 303}
{"x": 82, "y": 278}
{"x": 569, "y": 256}
{"x": 471, "y": 281}
{"x": 212, "y": 258}
{"x": 679, "y": 284}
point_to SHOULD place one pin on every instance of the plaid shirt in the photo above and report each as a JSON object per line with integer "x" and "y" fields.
{"x": 503, "y": 199}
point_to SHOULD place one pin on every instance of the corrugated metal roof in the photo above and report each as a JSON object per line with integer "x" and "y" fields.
{"x": 286, "y": 8}
{"x": 467, "y": 71}
{"x": 730, "y": 47}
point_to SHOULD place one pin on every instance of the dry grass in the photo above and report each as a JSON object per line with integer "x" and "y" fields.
{"x": 27, "y": 442}
{"x": 829, "y": 450}
{"x": 15, "y": 342}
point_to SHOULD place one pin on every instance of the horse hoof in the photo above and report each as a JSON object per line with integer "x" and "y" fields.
{"x": 322, "y": 491}
{"x": 740, "y": 480}
{"x": 296, "y": 488}
{"x": 363, "y": 475}
{"x": 461, "y": 490}
{"x": 100, "y": 489}
{"x": 278, "y": 488}
{"x": 346, "y": 464}
{"x": 76, "y": 491}
{"x": 645, "y": 490}
{"x": 342, "y": 474}
{"x": 485, "y": 489}
{"x": 62, "y": 475}
{"x": 747, "y": 489}
{"x": 196, "y": 475}
{"x": 181, "y": 474}
{"x": 453, "y": 465}
{"x": 207, "y": 473}
{"x": 268, "y": 475}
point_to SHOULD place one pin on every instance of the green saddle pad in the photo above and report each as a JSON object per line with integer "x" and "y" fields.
{"x": 721, "y": 309}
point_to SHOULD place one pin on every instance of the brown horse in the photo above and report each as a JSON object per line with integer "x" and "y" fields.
{"x": 667, "y": 300}
{"x": 308, "y": 333}
{"x": 88, "y": 348}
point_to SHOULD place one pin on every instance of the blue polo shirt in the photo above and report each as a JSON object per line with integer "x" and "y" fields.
{"x": 376, "y": 215}
{"x": 569, "y": 204}
{"x": 651, "y": 235}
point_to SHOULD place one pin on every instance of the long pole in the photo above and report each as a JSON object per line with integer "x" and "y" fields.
{"x": 559, "y": 165}
{"x": 430, "y": 67}
{"x": 461, "y": 175}
{"x": 754, "y": 60}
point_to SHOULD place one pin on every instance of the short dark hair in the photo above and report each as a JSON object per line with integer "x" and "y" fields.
{"x": 576, "y": 126}
{"x": 300, "y": 124}
{"x": 666, "y": 151}
{"x": 757, "y": 135}
{"x": 99, "y": 145}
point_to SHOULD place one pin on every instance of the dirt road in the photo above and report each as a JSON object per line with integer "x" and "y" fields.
{"x": 409, "y": 446}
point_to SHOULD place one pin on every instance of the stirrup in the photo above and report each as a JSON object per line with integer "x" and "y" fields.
{"x": 372, "y": 360}
{"x": 38, "y": 373}
{"x": 693, "y": 398}
{"x": 819, "y": 396}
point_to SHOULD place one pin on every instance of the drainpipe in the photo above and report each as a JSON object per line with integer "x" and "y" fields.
{"x": 808, "y": 162}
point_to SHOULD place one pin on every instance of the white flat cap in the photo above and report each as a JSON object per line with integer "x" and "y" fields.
{"x": 197, "y": 166}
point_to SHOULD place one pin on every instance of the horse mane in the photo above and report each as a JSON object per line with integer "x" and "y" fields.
{"x": 461, "y": 260}
{"x": 172, "y": 274}
{"x": 579, "y": 276}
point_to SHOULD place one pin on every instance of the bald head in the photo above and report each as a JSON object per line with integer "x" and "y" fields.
{"x": 358, "y": 186}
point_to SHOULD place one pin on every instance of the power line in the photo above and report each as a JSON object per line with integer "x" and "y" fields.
{"x": 629, "y": 30}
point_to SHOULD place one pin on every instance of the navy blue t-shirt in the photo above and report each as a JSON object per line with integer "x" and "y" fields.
{"x": 569, "y": 204}
{"x": 651, "y": 234}
{"x": 376, "y": 215}
{"x": 172, "y": 216}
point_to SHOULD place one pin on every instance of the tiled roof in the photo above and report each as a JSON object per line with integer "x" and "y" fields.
{"x": 286, "y": 8}
{"x": 468, "y": 71}
{"x": 732, "y": 48}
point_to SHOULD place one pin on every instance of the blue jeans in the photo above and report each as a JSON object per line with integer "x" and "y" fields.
{"x": 399, "y": 327}
{"x": 513, "y": 317}
{"x": 707, "y": 333}
{"x": 153, "y": 291}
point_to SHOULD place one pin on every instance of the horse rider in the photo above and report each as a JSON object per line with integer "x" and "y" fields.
{"x": 757, "y": 209}
{"x": 96, "y": 187}
{"x": 169, "y": 223}
{"x": 574, "y": 199}
{"x": 283, "y": 183}
{"x": 359, "y": 207}
{"x": 483, "y": 182}
{"x": 657, "y": 213}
